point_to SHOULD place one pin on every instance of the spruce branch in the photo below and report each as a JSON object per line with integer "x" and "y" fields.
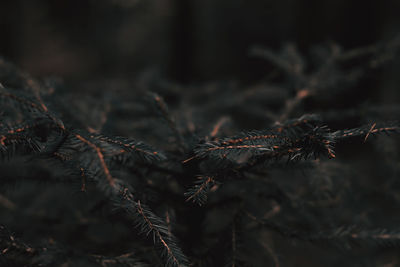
{"x": 342, "y": 237}
{"x": 198, "y": 193}
{"x": 131, "y": 149}
{"x": 367, "y": 130}
{"x": 14, "y": 252}
{"x": 163, "y": 110}
{"x": 295, "y": 139}
{"x": 149, "y": 223}
{"x": 119, "y": 192}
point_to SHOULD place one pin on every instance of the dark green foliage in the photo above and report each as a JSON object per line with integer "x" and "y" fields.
{"x": 209, "y": 190}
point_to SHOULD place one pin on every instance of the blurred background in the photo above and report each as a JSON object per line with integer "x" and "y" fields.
{"x": 185, "y": 41}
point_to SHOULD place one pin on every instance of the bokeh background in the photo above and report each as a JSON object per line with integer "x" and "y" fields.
{"x": 186, "y": 41}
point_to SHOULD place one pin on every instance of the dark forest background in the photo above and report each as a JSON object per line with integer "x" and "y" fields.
{"x": 187, "y": 41}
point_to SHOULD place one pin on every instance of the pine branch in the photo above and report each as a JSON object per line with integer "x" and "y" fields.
{"x": 198, "y": 193}
{"x": 149, "y": 223}
{"x": 101, "y": 158}
{"x": 131, "y": 149}
{"x": 341, "y": 237}
{"x": 28, "y": 104}
{"x": 21, "y": 100}
{"x": 163, "y": 109}
{"x": 93, "y": 153}
{"x": 295, "y": 139}
{"x": 26, "y": 137}
{"x": 14, "y": 251}
{"x": 119, "y": 192}
{"x": 367, "y": 130}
